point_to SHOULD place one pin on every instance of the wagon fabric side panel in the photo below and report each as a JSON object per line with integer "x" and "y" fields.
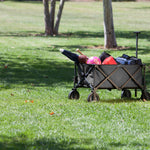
{"x": 118, "y": 76}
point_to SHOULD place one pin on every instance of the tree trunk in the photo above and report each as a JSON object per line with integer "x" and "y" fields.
{"x": 61, "y": 5}
{"x": 49, "y": 15}
{"x": 109, "y": 34}
{"x": 52, "y": 14}
{"x": 48, "y": 30}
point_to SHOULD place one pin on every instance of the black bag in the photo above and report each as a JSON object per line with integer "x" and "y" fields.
{"x": 128, "y": 60}
{"x": 103, "y": 56}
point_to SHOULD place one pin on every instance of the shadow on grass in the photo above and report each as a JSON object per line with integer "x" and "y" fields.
{"x": 23, "y": 143}
{"x": 36, "y": 72}
{"x": 125, "y": 100}
{"x": 79, "y": 34}
{"x": 135, "y": 145}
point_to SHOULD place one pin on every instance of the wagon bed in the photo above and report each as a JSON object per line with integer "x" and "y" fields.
{"x": 121, "y": 77}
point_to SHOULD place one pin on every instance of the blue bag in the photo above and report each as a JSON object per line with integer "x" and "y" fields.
{"x": 127, "y": 60}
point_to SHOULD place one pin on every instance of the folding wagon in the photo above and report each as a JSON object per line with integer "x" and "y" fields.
{"x": 121, "y": 77}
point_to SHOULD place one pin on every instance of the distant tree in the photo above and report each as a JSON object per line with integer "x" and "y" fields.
{"x": 51, "y": 27}
{"x": 109, "y": 33}
{"x": 48, "y": 28}
{"x": 59, "y": 16}
{"x": 52, "y": 15}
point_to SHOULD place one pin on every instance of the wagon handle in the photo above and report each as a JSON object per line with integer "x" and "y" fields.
{"x": 77, "y": 50}
{"x": 137, "y": 33}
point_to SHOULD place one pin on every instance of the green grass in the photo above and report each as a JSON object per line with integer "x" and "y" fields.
{"x": 38, "y": 72}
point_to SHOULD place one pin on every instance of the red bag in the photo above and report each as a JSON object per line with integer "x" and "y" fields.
{"x": 109, "y": 61}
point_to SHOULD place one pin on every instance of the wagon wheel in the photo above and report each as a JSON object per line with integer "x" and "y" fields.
{"x": 74, "y": 94}
{"x": 145, "y": 95}
{"x": 93, "y": 97}
{"x": 126, "y": 94}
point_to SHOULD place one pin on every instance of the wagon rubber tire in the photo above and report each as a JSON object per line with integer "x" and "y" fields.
{"x": 74, "y": 94}
{"x": 145, "y": 95}
{"x": 125, "y": 94}
{"x": 91, "y": 97}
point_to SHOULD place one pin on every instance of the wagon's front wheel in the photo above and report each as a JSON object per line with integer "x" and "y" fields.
{"x": 93, "y": 97}
{"x": 74, "y": 94}
{"x": 126, "y": 94}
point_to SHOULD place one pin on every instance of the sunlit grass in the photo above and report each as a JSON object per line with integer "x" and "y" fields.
{"x": 35, "y": 80}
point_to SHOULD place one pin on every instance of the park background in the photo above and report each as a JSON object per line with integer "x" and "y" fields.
{"x": 35, "y": 79}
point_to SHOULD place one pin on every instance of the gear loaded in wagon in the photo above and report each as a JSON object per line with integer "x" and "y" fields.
{"x": 104, "y": 59}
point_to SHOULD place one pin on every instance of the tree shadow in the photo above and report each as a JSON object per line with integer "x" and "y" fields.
{"x": 117, "y": 101}
{"x": 137, "y": 145}
{"x": 79, "y": 34}
{"x": 23, "y": 143}
{"x": 22, "y": 34}
{"x": 37, "y": 72}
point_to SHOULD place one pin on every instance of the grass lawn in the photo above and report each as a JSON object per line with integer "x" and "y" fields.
{"x": 35, "y": 80}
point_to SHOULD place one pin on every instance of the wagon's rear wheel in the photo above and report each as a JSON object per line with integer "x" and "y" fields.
{"x": 145, "y": 95}
{"x": 126, "y": 94}
{"x": 93, "y": 97}
{"x": 74, "y": 94}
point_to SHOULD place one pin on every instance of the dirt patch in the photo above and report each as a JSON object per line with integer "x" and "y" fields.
{"x": 102, "y": 47}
